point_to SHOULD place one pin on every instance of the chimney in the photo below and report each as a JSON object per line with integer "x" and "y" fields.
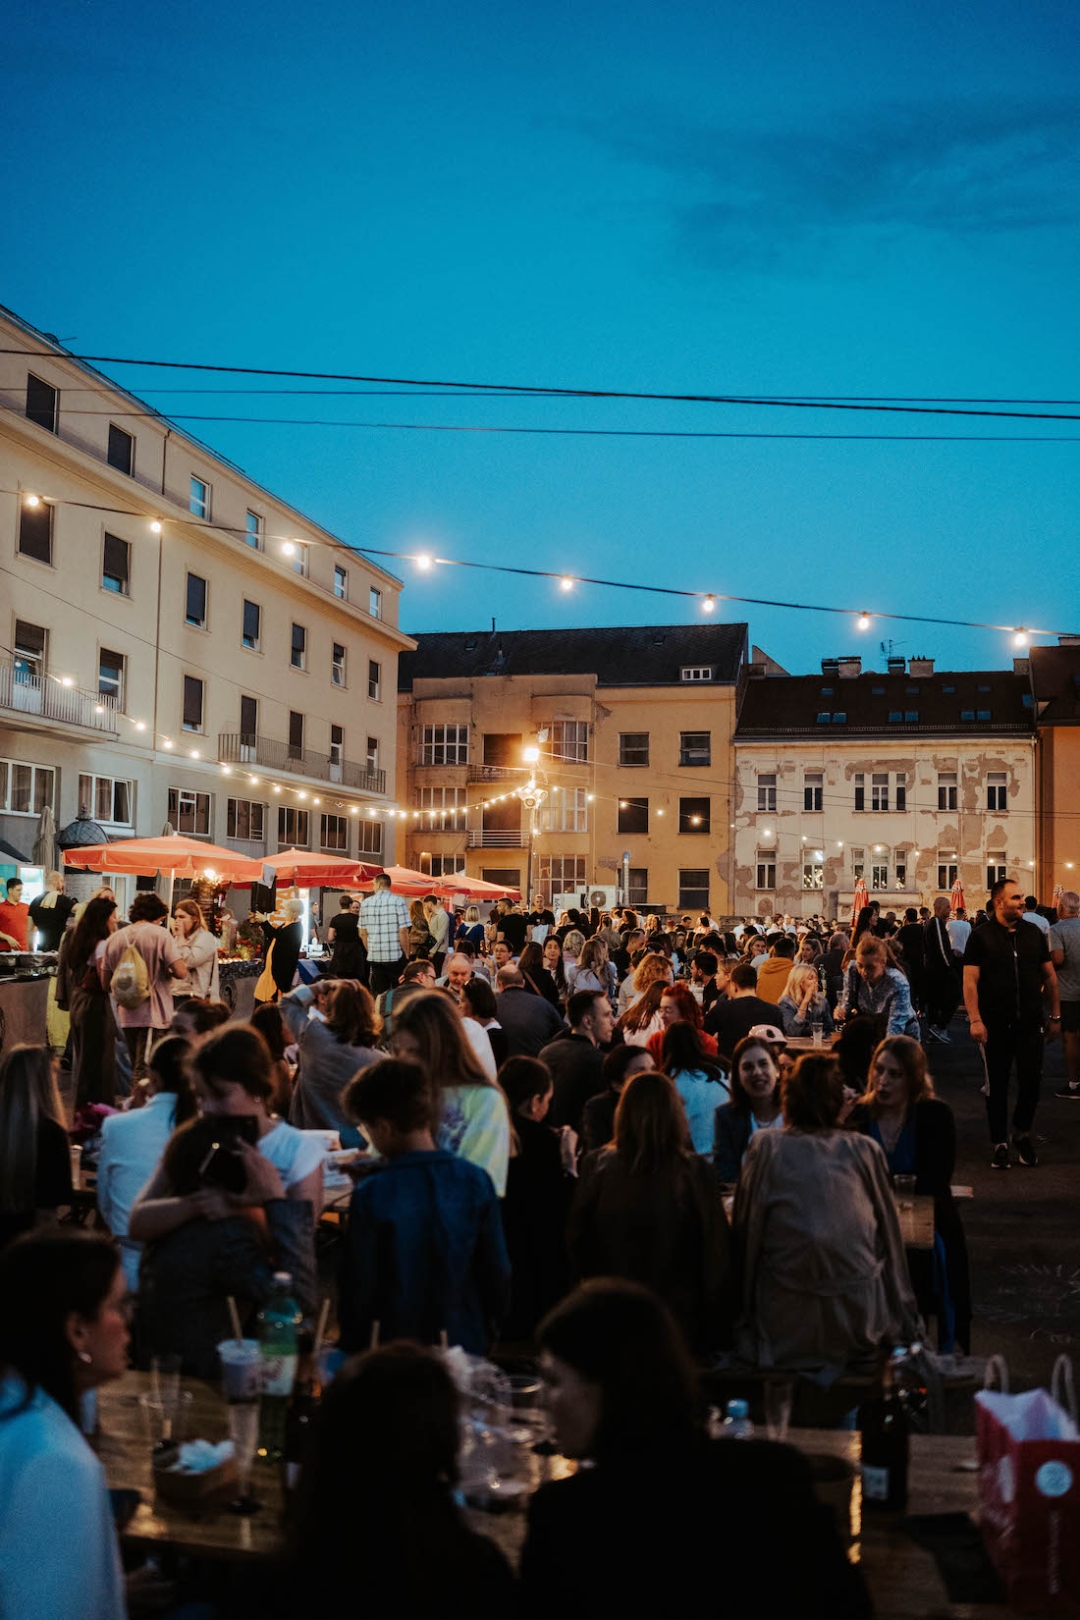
{"x": 830, "y": 667}
{"x": 755, "y": 671}
{"x": 1021, "y": 666}
{"x": 850, "y": 667}
{"x": 1069, "y": 641}
{"x": 896, "y": 666}
{"x": 921, "y": 666}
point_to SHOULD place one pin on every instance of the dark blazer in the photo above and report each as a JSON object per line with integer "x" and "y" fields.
{"x": 538, "y": 1193}
{"x": 731, "y": 1138}
{"x": 529, "y": 1021}
{"x": 576, "y": 1069}
{"x": 602, "y": 1541}
{"x": 286, "y": 941}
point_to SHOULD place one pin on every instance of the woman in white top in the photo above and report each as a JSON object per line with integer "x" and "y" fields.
{"x": 234, "y": 1075}
{"x": 592, "y": 971}
{"x": 198, "y": 948}
{"x": 67, "y": 1334}
{"x": 474, "y": 1117}
{"x": 132, "y": 1143}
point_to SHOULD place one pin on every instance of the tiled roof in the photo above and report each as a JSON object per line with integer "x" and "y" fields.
{"x": 961, "y": 702}
{"x": 1055, "y": 679}
{"x": 624, "y": 655}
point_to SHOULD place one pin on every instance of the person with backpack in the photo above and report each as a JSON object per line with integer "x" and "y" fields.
{"x": 138, "y": 966}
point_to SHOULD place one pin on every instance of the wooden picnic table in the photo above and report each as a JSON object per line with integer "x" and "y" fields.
{"x": 902, "y": 1577}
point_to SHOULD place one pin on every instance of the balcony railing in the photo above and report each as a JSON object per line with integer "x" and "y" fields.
{"x": 38, "y": 695}
{"x": 496, "y": 773}
{"x": 496, "y": 838}
{"x": 236, "y": 748}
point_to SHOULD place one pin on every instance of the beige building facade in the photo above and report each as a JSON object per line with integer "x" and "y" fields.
{"x": 632, "y": 728}
{"x": 178, "y": 644}
{"x": 908, "y": 779}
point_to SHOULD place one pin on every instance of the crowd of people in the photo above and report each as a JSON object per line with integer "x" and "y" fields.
{"x": 626, "y": 1144}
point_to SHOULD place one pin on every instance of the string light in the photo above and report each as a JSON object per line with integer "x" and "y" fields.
{"x": 423, "y": 561}
{"x": 66, "y": 680}
{"x": 166, "y": 742}
{"x": 1021, "y": 638}
{"x": 194, "y": 754}
{"x": 140, "y": 725}
{"x": 99, "y": 708}
{"x": 709, "y": 605}
{"x": 288, "y": 549}
{"x": 226, "y": 770}
{"x": 156, "y": 526}
{"x": 863, "y": 621}
{"x": 33, "y": 500}
{"x": 566, "y": 583}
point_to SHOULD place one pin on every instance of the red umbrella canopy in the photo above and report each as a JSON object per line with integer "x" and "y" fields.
{"x": 475, "y": 888}
{"x": 403, "y": 880}
{"x": 180, "y": 856}
{"x": 956, "y": 897}
{"x": 861, "y": 899}
{"x": 303, "y": 870}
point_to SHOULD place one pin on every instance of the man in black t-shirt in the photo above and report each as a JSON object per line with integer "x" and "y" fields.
{"x": 513, "y": 927}
{"x": 1007, "y": 970}
{"x": 735, "y": 1016}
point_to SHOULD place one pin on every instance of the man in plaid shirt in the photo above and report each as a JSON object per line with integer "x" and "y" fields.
{"x": 384, "y": 929}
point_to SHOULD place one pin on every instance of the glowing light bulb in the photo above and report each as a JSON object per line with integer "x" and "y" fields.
{"x": 140, "y": 725}
{"x": 709, "y": 605}
{"x": 288, "y": 549}
{"x": 423, "y": 561}
{"x": 195, "y": 754}
{"x": 863, "y": 621}
{"x": 302, "y": 794}
{"x": 226, "y": 770}
{"x": 695, "y": 821}
{"x": 1021, "y": 638}
{"x": 254, "y": 780}
{"x": 277, "y": 788}
{"x": 566, "y": 583}
{"x": 209, "y": 872}
{"x": 659, "y": 812}
{"x": 530, "y": 755}
{"x": 316, "y": 801}
{"x": 622, "y": 804}
{"x": 166, "y": 742}
{"x": 99, "y": 708}
{"x": 353, "y": 811}
{"x": 371, "y": 812}
{"x": 33, "y": 500}
{"x": 155, "y": 527}
{"x": 66, "y": 680}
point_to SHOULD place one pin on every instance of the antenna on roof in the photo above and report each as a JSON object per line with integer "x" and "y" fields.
{"x": 493, "y": 624}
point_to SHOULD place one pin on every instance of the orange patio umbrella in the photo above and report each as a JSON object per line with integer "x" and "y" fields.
{"x": 474, "y": 888}
{"x": 861, "y": 899}
{"x": 404, "y": 881}
{"x": 303, "y": 870}
{"x": 174, "y": 856}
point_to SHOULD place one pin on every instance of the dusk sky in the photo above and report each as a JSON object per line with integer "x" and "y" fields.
{"x": 825, "y": 199}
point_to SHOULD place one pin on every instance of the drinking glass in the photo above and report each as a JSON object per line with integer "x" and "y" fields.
{"x": 817, "y": 1030}
{"x": 524, "y": 1407}
{"x": 165, "y": 1378}
{"x": 241, "y": 1369}
{"x": 778, "y": 1395}
{"x": 166, "y": 1420}
{"x": 244, "y": 1434}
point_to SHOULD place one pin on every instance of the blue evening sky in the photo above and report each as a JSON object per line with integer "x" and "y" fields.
{"x": 827, "y": 198}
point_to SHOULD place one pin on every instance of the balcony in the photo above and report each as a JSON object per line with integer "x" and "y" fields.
{"x": 497, "y": 773}
{"x": 38, "y": 697}
{"x": 235, "y": 748}
{"x": 497, "y": 838}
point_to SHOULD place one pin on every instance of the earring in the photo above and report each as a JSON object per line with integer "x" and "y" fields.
{"x": 84, "y": 1356}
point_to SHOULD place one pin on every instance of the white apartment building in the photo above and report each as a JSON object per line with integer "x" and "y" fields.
{"x": 176, "y": 643}
{"x": 907, "y": 779}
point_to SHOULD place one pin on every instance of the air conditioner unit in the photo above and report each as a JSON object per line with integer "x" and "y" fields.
{"x": 603, "y": 897}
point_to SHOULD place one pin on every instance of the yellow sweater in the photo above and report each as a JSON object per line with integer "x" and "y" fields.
{"x": 773, "y": 977}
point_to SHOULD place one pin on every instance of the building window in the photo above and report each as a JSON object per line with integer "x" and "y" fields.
{"x": 341, "y": 583}
{"x": 111, "y": 677}
{"x": 813, "y": 874}
{"x": 193, "y": 703}
{"x": 36, "y": 531}
{"x": 252, "y": 633}
{"x": 813, "y": 788}
{"x": 633, "y": 747}
{"x": 26, "y": 789}
{"x": 444, "y": 809}
{"x": 371, "y": 841}
{"x": 372, "y": 755}
{"x": 839, "y": 717}
{"x": 901, "y": 791}
{"x": 860, "y": 790}
{"x": 30, "y": 640}
{"x": 375, "y": 604}
{"x": 560, "y": 874}
{"x": 296, "y": 735}
{"x": 337, "y": 745}
{"x": 106, "y": 799}
{"x": 298, "y": 647}
{"x": 42, "y": 400}
{"x": 334, "y": 834}
{"x": 967, "y": 714}
{"x": 439, "y": 866}
{"x": 253, "y": 530}
{"x": 189, "y": 812}
{"x": 982, "y": 714}
{"x": 195, "y": 609}
{"x": 570, "y": 741}
{"x": 116, "y": 565}
{"x": 947, "y": 870}
{"x": 911, "y": 717}
{"x": 300, "y": 560}
{"x": 996, "y": 868}
{"x": 895, "y": 716}
{"x": 337, "y": 665}
{"x": 879, "y": 873}
{"x": 199, "y": 499}
{"x": 879, "y": 791}
{"x": 694, "y": 889}
{"x": 444, "y": 745}
{"x": 696, "y": 672}
{"x": 766, "y": 793}
{"x": 374, "y": 681}
{"x": 566, "y": 811}
{"x": 858, "y": 864}
{"x": 293, "y": 827}
{"x": 249, "y": 721}
{"x": 633, "y": 815}
{"x": 694, "y": 815}
{"x": 246, "y": 820}
{"x": 946, "y": 790}
{"x": 997, "y": 790}
{"x": 695, "y": 748}
{"x": 824, "y": 717}
{"x": 900, "y": 871}
{"x": 502, "y": 747}
{"x": 121, "y": 454}
{"x": 637, "y": 887}
{"x": 766, "y": 870}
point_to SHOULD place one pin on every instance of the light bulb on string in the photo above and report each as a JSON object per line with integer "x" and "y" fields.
{"x": 863, "y": 621}
{"x": 32, "y": 500}
{"x": 566, "y": 583}
{"x": 1021, "y": 638}
{"x": 708, "y": 604}
{"x": 424, "y": 561}
{"x": 156, "y": 526}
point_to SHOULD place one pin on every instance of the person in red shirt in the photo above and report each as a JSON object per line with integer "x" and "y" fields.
{"x": 14, "y": 917}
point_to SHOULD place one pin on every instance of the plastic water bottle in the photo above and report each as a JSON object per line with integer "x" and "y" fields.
{"x": 279, "y": 1351}
{"x": 737, "y": 1424}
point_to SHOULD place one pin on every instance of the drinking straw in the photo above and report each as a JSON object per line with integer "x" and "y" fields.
{"x": 320, "y": 1331}
{"x": 234, "y": 1317}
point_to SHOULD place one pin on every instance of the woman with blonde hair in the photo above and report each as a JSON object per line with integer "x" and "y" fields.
{"x": 474, "y": 1121}
{"x": 473, "y": 930}
{"x": 802, "y": 1004}
{"x": 35, "y": 1157}
{"x": 874, "y": 988}
{"x": 917, "y": 1134}
{"x": 198, "y": 948}
{"x": 572, "y": 946}
{"x": 654, "y": 968}
{"x": 649, "y": 1209}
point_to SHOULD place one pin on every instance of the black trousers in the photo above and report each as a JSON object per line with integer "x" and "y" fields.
{"x": 1007, "y": 1044}
{"x": 941, "y": 992}
{"x": 384, "y": 975}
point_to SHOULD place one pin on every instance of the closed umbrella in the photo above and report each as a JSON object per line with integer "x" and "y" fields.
{"x": 45, "y": 840}
{"x": 956, "y": 897}
{"x": 861, "y": 899}
{"x": 9, "y": 852}
{"x": 163, "y": 883}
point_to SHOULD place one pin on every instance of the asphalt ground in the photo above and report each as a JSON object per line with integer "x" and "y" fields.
{"x": 1022, "y": 1225}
